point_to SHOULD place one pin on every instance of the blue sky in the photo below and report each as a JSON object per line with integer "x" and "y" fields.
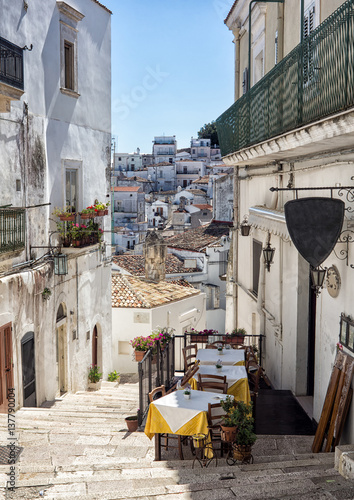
{"x": 172, "y": 69}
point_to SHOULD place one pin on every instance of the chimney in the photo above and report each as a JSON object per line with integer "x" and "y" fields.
{"x": 155, "y": 251}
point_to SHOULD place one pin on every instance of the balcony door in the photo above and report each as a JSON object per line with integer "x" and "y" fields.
{"x": 6, "y": 365}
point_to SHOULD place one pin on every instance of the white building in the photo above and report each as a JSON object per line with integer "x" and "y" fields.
{"x": 158, "y": 213}
{"x": 282, "y": 144}
{"x": 164, "y": 149}
{"x": 188, "y": 171}
{"x": 54, "y": 151}
{"x": 162, "y": 176}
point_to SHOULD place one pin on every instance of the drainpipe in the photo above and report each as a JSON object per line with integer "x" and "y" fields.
{"x": 236, "y": 41}
{"x": 250, "y": 35}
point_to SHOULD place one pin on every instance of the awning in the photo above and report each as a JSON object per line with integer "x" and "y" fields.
{"x": 269, "y": 220}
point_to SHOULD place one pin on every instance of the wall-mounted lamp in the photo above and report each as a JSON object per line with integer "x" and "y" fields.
{"x": 245, "y": 227}
{"x": 60, "y": 264}
{"x": 268, "y": 254}
{"x": 318, "y": 275}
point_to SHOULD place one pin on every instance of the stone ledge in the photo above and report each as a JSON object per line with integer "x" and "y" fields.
{"x": 344, "y": 460}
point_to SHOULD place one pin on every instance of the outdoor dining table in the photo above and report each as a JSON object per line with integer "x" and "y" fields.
{"x": 173, "y": 414}
{"x": 236, "y": 377}
{"x": 228, "y": 356}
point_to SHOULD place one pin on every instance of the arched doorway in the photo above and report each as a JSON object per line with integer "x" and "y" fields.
{"x": 28, "y": 370}
{"x": 61, "y": 350}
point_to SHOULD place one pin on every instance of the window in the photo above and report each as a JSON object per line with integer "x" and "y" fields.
{"x": 71, "y": 189}
{"x": 69, "y": 19}
{"x": 257, "y": 252}
{"x": 69, "y": 65}
{"x": 309, "y": 56}
{"x": 347, "y": 332}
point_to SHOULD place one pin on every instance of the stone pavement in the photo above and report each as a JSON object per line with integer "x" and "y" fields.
{"x": 79, "y": 448}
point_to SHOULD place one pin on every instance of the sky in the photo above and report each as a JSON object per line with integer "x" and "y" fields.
{"x": 172, "y": 69}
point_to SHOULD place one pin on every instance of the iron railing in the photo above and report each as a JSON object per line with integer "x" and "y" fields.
{"x": 155, "y": 370}
{"x": 11, "y": 64}
{"x": 316, "y": 79}
{"x": 12, "y": 229}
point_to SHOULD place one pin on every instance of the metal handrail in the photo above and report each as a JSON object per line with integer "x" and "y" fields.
{"x": 316, "y": 79}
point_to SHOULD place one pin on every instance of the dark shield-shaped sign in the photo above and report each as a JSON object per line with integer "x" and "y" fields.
{"x": 314, "y": 225}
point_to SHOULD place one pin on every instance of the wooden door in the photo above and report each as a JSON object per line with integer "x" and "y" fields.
{"x": 28, "y": 370}
{"x": 6, "y": 365}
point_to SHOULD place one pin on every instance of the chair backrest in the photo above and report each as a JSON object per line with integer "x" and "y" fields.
{"x": 214, "y": 345}
{"x": 215, "y": 413}
{"x": 213, "y": 387}
{"x": 157, "y": 393}
{"x": 254, "y": 375}
{"x": 192, "y": 370}
{"x": 189, "y": 355}
{"x": 206, "y": 377}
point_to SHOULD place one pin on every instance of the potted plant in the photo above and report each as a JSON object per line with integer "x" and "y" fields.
{"x": 94, "y": 377}
{"x": 100, "y": 208}
{"x": 132, "y": 423}
{"x": 201, "y": 335}
{"x": 88, "y": 212}
{"x": 229, "y": 424}
{"x": 163, "y": 335}
{"x": 245, "y": 437}
{"x": 64, "y": 214}
{"x": 187, "y": 393}
{"x": 236, "y": 337}
{"x": 141, "y": 345}
{"x": 220, "y": 351}
{"x": 218, "y": 365}
{"x": 114, "y": 378}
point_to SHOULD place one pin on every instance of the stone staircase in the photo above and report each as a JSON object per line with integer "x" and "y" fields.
{"x": 78, "y": 447}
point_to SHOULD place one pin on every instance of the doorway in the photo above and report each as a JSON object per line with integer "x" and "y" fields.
{"x": 6, "y": 365}
{"x": 28, "y": 370}
{"x": 61, "y": 359}
{"x": 311, "y": 341}
{"x": 94, "y": 346}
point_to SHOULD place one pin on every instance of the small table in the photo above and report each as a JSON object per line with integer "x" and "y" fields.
{"x": 173, "y": 414}
{"x": 236, "y": 377}
{"x": 228, "y": 356}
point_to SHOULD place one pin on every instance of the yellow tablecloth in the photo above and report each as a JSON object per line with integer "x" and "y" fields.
{"x": 239, "y": 390}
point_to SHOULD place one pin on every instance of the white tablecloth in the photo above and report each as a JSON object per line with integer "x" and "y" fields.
{"x": 233, "y": 373}
{"x": 229, "y": 356}
{"x": 187, "y": 408}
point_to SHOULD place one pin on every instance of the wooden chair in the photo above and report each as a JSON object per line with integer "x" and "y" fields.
{"x": 253, "y": 381}
{"x": 215, "y": 413}
{"x": 220, "y": 387}
{"x": 206, "y": 377}
{"x": 214, "y": 345}
{"x": 157, "y": 393}
{"x": 189, "y": 355}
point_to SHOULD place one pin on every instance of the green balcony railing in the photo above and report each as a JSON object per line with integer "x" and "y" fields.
{"x": 314, "y": 80}
{"x": 12, "y": 229}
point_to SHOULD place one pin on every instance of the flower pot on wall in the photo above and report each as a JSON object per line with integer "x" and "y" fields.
{"x": 100, "y": 213}
{"x": 67, "y": 217}
{"x": 199, "y": 338}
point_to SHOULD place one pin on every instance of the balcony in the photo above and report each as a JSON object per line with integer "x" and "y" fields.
{"x": 315, "y": 80}
{"x": 12, "y": 229}
{"x": 11, "y": 74}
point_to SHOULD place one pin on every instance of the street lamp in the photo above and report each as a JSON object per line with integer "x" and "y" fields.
{"x": 60, "y": 264}
{"x": 268, "y": 254}
{"x": 245, "y": 227}
{"x": 318, "y": 275}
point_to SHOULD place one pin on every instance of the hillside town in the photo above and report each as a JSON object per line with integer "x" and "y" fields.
{"x": 182, "y": 315}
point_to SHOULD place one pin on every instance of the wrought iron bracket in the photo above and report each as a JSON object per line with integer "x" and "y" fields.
{"x": 347, "y": 235}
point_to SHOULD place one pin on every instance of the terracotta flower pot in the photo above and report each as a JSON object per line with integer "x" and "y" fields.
{"x": 100, "y": 213}
{"x": 139, "y": 355}
{"x": 132, "y": 423}
{"x": 67, "y": 217}
{"x": 85, "y": 216}
{"x": 199, "y": 338}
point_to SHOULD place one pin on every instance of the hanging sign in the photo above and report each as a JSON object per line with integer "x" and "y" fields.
{"x": 314, "y": 225}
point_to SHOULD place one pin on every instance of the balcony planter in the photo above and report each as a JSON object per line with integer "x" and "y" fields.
{"x": 139, "y": 355}
{"x": 106, "y": 211}
{"x": 87, "y": 216}
{"x": 100, "y": 213}
{"x": 67, "y": 218}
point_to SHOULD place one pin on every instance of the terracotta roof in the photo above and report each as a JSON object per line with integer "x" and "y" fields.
{"x": 127, "y": 188}
{"x": 199, "y": 238}
{"x": 130, "y": 291}
{"x": 197, "y": 191}
{"x": 103, "y": 6}
{"x": 202, "y": 180}
{"x": 135, "y": 264}
{"x": 203, "y": 207}
{"x": 229, "y": 14}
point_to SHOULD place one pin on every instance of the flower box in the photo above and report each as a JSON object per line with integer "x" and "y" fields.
{"x": 67, "y": 218}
